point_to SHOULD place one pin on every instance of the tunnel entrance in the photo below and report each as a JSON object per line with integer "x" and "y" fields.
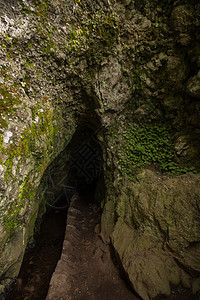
{"x": 88, "y": 264}
{"x": 94, "y": 271}
{"x": 76, "y": 170}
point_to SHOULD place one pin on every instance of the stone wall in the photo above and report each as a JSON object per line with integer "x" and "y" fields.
{"x": 131, "y": 68}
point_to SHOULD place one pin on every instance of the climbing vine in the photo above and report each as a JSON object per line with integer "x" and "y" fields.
{"x": 147, "y": 144}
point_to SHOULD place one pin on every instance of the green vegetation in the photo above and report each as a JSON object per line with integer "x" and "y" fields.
{"x": 93, "y": 30}
{"x": 37, "y": 144}
{"x": 9, "y": 98}
{"x": 12, "y": 220}
{"x": 147, "y": 144}
{"x": 41, "y": 11}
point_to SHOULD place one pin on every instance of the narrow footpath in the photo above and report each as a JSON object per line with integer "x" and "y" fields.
{"x": 41, "y": 259}
{"x": 86, "y": 270}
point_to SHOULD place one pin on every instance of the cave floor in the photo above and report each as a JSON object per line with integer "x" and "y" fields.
{"x": 86, "y": 270}
{"x": 40, "y": 260}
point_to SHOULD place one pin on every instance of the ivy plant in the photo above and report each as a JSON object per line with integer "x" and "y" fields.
{"x": 148, "y": 144}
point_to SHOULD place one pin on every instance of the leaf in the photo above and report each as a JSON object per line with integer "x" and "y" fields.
{"x": 140, "y": 148}
{"x": 23, "y": 84}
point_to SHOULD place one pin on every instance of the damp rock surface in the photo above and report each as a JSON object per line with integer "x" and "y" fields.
{"x": 110, "y": 64}
{"x": 86, "y": 269}
{"x": 158, "y": 247}
{"x": 40, "y": 259}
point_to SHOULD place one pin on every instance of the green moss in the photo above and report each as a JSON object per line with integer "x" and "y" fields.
{"x": 12, "y": 220}
{"x": 29, "y": 64}
{"x": 148, "y": 144}
{"x": 8, "y": 101}
{"x": 92, "y": 31}
{"x": 41, "y": 8}
{"x": 37, "y": 143}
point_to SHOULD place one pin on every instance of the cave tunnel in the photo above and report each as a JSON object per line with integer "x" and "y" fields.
{"x": 85, "y": 163}
{"x": 78, "y": 169}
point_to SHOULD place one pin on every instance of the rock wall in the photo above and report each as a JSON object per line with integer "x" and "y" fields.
{"x": 157, "y": 232}
{"x": 132, "y": 69}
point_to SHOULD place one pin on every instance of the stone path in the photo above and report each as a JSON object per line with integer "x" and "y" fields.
{"x": 85, "y": 270}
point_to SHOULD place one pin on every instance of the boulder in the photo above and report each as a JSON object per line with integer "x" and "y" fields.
{"x": 157, "y": 232}
{"x": 176, "y": 71}
{"x": 182, "y": 22}
{"x": 193, "y": 86}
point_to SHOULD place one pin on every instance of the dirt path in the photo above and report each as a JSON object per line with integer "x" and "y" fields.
{"x": 85, "y": 270}
{"x": 40, "y": 261}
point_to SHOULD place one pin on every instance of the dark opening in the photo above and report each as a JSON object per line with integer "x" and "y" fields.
{"x": 77, "y": 169}
{"x": 41, "y": 258}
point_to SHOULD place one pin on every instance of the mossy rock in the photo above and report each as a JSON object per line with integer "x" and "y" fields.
{"x": 158, "y": 225}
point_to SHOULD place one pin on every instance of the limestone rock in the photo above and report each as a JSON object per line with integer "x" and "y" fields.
{"x": 194, "y": 54}
{"x": 110, "y": 86}
{"x": 182, "y": 21}
{"x": 68, "y": 63}
{"x": 151, "y": 232}
{"x": 107, "y": 221}
{"x": 181, "y": 145}
{"x": 177, "y": 71}
{"x": 193, "y": 86}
